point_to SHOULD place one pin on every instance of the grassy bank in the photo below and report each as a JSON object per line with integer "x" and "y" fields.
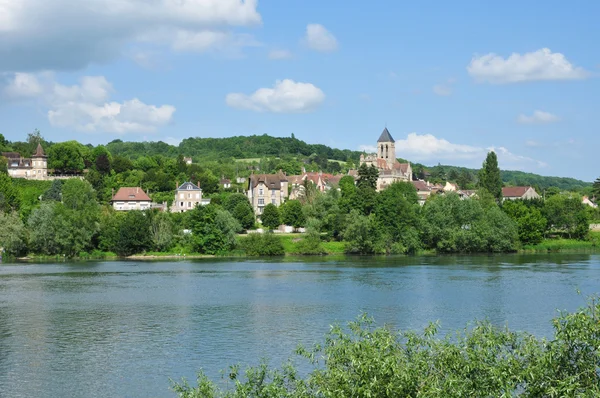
{"x": 566, "y": 245}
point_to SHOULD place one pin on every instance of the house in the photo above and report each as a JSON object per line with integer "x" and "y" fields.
{"x": 187, "y": 160}
{"x": 450, "y": 187}
{"x": 34, "y": 168}
{"x": 586, "y": 201}
{"x": 390, "y": 170}
{"x": 187, "y": 197}
{"x": 240, "y": 180}
{"x": 516, "y": 193}
{"x": 267, "y": 188}
{"x": 131, "y": 198}
{"x": 225, "y": 183}
{"x": 424, "y": 190}
{"x": 319, "y": 179}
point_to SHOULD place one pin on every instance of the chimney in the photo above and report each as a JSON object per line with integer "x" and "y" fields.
{"x": 176, "y": 185}
{"x": 137, "y": 190}
{"x": 198, "y": 184}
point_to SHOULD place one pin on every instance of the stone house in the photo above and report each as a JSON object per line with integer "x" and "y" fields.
{"x": 131, "y": 198}
{"x": 586, "y": 201}
{"x": 225, "y": 183}
{"x": 187, "y": 160}
{"x": 424, "y": 190}
{"x": 187, "y": 196}
{"x": 390, "y": 170}
{"x": 34, "y": 168}
{"x": 267, "y": 188}
{"x": 515, "y": 193}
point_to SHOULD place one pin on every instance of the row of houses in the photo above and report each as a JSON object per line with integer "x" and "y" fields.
{"x": 187, "y": 196}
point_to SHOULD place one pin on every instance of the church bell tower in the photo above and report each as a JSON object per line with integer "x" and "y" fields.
{"x": 386, "y": 147}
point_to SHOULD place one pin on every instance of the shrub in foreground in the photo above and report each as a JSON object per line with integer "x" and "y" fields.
{"x": 266, "y": 244}
{"x": 481, "y": 361}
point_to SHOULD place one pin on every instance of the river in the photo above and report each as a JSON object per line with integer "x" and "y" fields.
{"x": 122, "y": 328}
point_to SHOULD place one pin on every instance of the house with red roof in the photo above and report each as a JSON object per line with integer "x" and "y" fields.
{"x": 131, "y": 198}
{"x": 519, "y": 193}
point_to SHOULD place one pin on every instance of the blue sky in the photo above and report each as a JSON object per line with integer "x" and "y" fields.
{"x": 449, "y": 79}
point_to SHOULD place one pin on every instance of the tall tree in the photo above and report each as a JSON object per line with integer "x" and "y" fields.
{"x": 291, "y": 214}
{"x": 367, "y": 176}
{"x": 489, "y": 176}
{"x": 271, "y": 218}
{"x": 9, "y": 196}
{"x": 596, "y": 188}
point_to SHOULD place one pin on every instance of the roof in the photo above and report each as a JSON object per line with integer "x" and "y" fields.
{"x": 225, "y": 181}
{"x": 189, "y": 186}
{"x": 130, "y": 194}
{"x": 11, "y": 155}
{"x": 39, "y": 152}
{"x": 514, "y": 192}
{"x": 385, "y": 136}
{"x": 272, "y": 181}
{"x": 421, "y": 186}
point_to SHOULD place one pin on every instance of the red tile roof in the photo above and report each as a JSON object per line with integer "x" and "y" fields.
{"x": 514, "y": 192}
{"x": 131, "y": 194}
{"x": 421, "y": 186}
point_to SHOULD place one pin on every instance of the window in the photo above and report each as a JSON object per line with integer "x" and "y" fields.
{"x": 181, "y": 196}
{"x": 197, "y": 196}
{"x": 181, "y": 204}
{"x": 274, "y": 201}
{"x": 190, "y": 204}
{"x": 189, "y": 187}
{"x": 261, "y": 202}
{"x": 189, "y": 195}
{"x": 261, "y": 192}
{"x": 273, "y": 193}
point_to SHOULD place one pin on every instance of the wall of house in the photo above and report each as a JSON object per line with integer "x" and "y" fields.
{"x": 186, "y": 200}
{"x": 127, "y": 205}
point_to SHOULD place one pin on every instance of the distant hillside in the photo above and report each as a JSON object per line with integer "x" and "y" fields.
{"x": 263, "y": 146}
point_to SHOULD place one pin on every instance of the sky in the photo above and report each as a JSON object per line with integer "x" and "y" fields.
{"x": 450, "y": 80}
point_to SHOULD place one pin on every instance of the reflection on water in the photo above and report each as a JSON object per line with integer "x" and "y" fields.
{"x": 100, "y": 329}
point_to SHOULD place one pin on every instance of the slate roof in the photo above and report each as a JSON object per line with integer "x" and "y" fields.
{"x": 385, "y": 136}
{"x": 272, "y": 181}
{"x": 186, "y": 186}
{"x": 39, "y": 152}
{"x": 131, "y": 194}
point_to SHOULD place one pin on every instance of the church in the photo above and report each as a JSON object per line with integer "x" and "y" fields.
{"x": 390, "y": 170}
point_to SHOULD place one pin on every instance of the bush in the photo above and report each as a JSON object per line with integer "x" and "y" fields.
{"x": 481, "y": 361}
{"x": 266, "y": 244}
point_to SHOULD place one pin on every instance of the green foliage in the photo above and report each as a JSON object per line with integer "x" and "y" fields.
{"x": 9, "y": 196}
{"x": 54, "y": 192}
{"x": 362, "y": 234}
{"x": 454, "y": 225}
{"x": 530, "y": 222}
{"x": 240, "y": 208}
{"x": 311, "y": 241}
{"x": 214, "y": 229}
{"x": 596, "y": 188}
{"x": 489, "y": 176}
{"x": 291, "y": 214}
{"x": 362, "y": 360}
{"x": 265, "y": 244}
{"x": 67, "y": 157}
{"x": 270, "y": 218}
{"x": 132, "y": 234}
{"x": 367, "y": 176}
{"x": 397, "y": 215}
{"x": 566, "y": 214}
{"x": 13, "y": 235}
{"x": 161, "y": 229}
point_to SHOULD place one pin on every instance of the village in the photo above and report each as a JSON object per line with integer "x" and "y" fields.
{"x": 276, "y": 189}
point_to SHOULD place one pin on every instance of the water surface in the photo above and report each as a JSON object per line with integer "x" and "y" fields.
{"x": 121, "y": 329}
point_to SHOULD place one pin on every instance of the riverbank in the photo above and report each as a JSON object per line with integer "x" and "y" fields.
{"x": 332, "y": 248}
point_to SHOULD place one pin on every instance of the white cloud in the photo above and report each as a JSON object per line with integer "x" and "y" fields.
{"x": 280, "y": 54}
{"x": 431, "y": 149}
{"x": 538, "y": 117}
{"x": 542, "y": 64}
{"x": 86, "y": 107}
{"x": 286, "y": 96}
{"x": 320, "y": 39}
{"x": 367, "y": 148}
{"x": 66, "y": 34}
{"x": 218, "y": 41}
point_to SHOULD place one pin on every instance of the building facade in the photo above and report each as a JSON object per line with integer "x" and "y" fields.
{"x": 267, "y": 188}
{"x": 34, "y": 168}
{"x": 131, "y": 198}
{"x": 187, "y": 197}
{"x": 515, "y": 193}
{"x": 390, "y": 170}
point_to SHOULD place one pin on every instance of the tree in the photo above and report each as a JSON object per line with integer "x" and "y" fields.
{"x": 530, "y": 222}
{"x": 121, "y": 164}
{"x": 66, "y": 157}
{"x": 311, "y": 242}
{"x": 240, "y": 208}
{"x": 213, "y": 229}
{"x": 102, "y": 159}
{"x": 567, "y": 214}
{"x": 291, "y": 214}
{"x": 54, "y": 192}
{"x": 362, "y": 234}
{"x": 3, "y": 141}
{"x": 367, "y": 176}
{"x": 270, "y": 217}
{"x": 133, "y": 234}
{"x": 596, "y": 188}
{"x": 13, "y": 235}
{"x": 9, "y": 195}
{"x": 465, "y": 179}
{"x": 161, "y": 228}
{"x": 48, "y": 229}
{"x": 489, "y": 176}
{"x": 78, "y": 194}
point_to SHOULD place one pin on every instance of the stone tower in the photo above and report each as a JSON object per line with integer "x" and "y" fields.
{"x": 39, "y": 164}
{"x": 386, "y": 147}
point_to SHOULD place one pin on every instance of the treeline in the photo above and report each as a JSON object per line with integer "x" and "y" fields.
{"x": 65, "y": 218}
{"x": 265, "y": 153}
{"x": 483, "y": 360}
